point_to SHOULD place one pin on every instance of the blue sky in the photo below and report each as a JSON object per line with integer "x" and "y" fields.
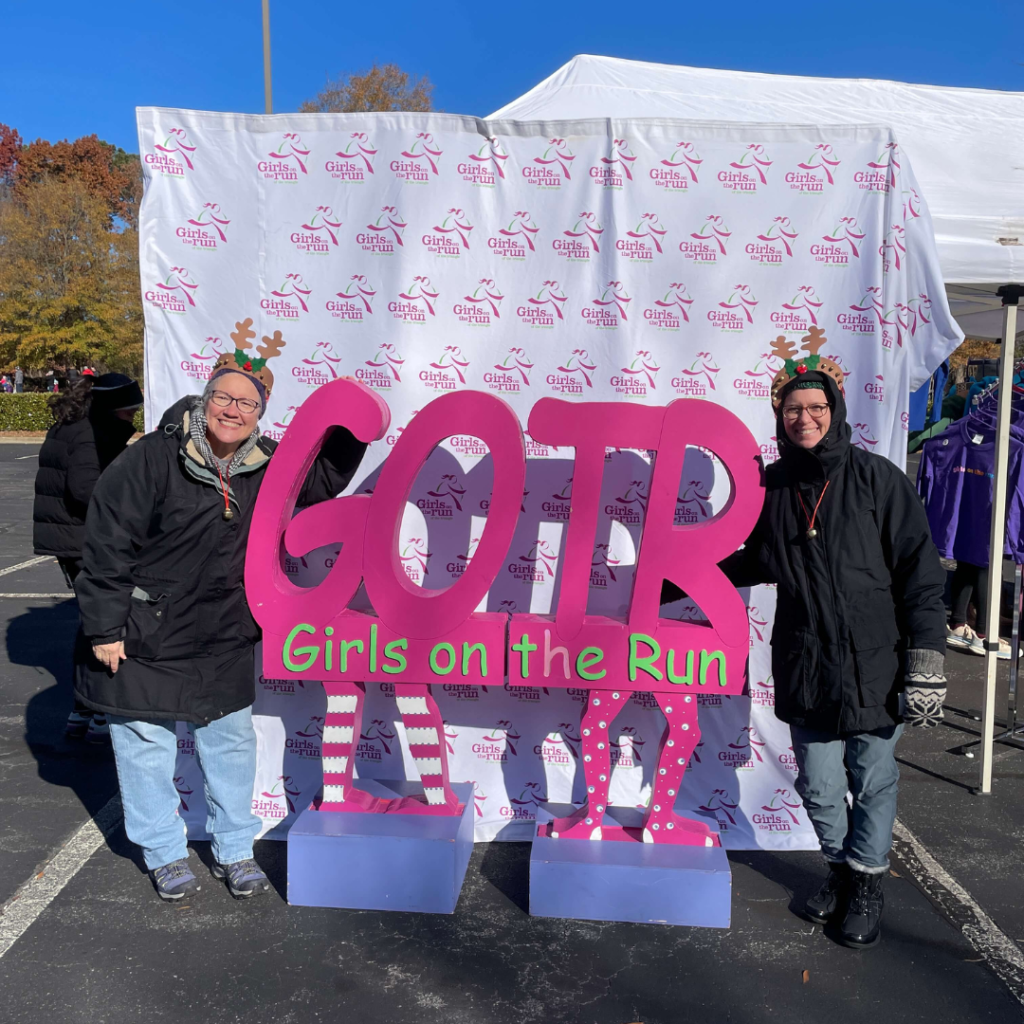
{"x": 80, "y": 68}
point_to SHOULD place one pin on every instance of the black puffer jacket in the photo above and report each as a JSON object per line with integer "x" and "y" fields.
{"x": 164, "y": 571}
{"x": 868, "y": 587}
{"x": 70, "y": 462}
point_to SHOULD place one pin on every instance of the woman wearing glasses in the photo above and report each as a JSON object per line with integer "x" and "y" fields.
{"x": 163, "y": 604}
{"x": 859, "y": 635}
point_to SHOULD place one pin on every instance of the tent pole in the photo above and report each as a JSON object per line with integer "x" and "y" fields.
{"x": 1010, "y": 295}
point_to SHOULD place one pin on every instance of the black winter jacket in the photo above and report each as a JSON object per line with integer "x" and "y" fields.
{"x": 164, "y": 571}
{"x": 70, "y": 462}
{"x": 852, "y": 599}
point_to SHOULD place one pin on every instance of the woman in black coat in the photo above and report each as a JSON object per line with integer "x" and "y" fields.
{"x": 163, "y": 604}
{"x": 859, "y": 635}
{"x": 92, "y": 426}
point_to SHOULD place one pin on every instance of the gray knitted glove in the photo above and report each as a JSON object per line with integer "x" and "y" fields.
{"x": 925, "y": 692}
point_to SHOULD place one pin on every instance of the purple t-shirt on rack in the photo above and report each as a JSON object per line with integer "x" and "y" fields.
{"x": 955, "y": 480}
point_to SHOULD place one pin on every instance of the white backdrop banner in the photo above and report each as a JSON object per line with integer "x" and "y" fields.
{"x": 591, "y": 260}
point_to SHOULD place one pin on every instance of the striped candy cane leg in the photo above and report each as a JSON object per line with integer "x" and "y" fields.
{"x": 602, "y": 707}
{"x": 424, "y": 730}
{"x": 681, "y": 736}
{"x": 341, "y": 734}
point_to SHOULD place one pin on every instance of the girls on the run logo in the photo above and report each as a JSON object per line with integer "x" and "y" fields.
{"x": 287, "y": 161}
{"x": 381, "y": 237}
{"x": 616, "y": 168}
{"x": 815, "y": 171}
{"x": 747, "y": 173}
{"x": 551, "y": 167}
{"x": 353, "y": 162}
{"x": 205, "y": 231}
{"x": 173, "y": 156}
{"x": 482, "y": 168}
{"x": 707, "y": 244}
{"x": 420, "y": 162}
{"x": 646, "y": 239}
{"x": 678, "y": 171}
{"x": 545, "y": 308}
{"x": 608, "y": 308}
{"x": 772, "y": 245}
{"x": 352, "y": 304}
{"x": 449, "y": 238}
{"x": 579, "y": 240}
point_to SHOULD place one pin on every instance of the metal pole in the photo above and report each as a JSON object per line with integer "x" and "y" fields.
{"x": 1010, "y": 295}
{"x": 268, "y": 102}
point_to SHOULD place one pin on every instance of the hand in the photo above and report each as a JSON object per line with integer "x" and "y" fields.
{"x": 923, "y": 706}
{"x": 110, "y": 655}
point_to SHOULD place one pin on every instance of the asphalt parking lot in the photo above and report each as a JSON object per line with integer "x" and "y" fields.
{"x": 84, "y": 938}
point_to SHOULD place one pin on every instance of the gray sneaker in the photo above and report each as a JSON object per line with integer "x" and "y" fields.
{"x": 245, "y": 878}
{"x": 174, "y": 881}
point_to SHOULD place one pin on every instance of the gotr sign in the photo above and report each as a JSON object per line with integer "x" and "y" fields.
{"x": 418, "y": 636}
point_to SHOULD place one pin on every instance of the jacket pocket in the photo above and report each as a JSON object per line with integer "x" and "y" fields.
{"x": 146, "y": 620}
{"x": 795, "y": 667}
{"x": 877, "y": 663}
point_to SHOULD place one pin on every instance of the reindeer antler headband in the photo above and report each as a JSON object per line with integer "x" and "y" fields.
{"x": 240, "y": 361}
{"x": 793, "y": 368}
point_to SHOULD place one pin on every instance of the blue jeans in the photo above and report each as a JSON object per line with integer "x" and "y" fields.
{"x": 863, "y": 764}
{"x": 145, "y": 752}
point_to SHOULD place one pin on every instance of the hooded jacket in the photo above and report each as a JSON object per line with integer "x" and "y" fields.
{"x": 71, "y": 460}
{"x": 164, "y": 572}
{"x": 854, "y": 598}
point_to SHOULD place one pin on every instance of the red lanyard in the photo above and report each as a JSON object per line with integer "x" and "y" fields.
{"x": 811, "y": 531}
{"x": 227, "y": 514}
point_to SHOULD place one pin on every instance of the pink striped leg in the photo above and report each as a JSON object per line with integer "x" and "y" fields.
{"x": 342, "y": 727}
{"x": 681, "y": 736}
{"x": 424, "y": 730}
{"x": 602, "y": 707}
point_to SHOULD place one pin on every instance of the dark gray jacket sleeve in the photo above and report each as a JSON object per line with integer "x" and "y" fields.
{"x": 333, "y": 468}
{"x": 743, "y": 568}
{"x": 918, "y": 579}
{"x": 120, "y": 511}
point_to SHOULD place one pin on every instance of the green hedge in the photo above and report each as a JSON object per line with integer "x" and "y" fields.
{"x": 27, "y": 411}
{"x": 30, "y": 411}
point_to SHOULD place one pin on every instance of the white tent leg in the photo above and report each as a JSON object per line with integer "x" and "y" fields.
{"x": 1009, "y": 295}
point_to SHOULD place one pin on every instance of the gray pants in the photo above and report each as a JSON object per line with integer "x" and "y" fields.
{"x": 864, "y": 765}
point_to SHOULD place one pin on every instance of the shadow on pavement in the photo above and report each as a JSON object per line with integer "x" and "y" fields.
{"x": 42, "y": 639}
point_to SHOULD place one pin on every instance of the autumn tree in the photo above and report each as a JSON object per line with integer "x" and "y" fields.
{"x": 110, "y": 174}
{"x": 383, "y": 87}
{"x": 10, "y": 148}
{"x": 69, "y": 285}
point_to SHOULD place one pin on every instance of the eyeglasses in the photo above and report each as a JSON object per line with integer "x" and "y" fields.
{"x": 792, "y": 412}
{"x": 224, "y": 400}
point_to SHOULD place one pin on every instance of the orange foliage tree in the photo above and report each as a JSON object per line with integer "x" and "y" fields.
{"x": 383, "y": 87}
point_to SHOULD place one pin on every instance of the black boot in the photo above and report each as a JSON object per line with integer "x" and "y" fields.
{"x": 862, "y": 925}
{"x": 829, "y": 899}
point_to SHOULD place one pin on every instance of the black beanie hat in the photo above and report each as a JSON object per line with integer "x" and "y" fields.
{"x": 113, "y": 391}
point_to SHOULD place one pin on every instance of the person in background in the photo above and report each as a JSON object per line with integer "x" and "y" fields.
{"x": 163, "y": 604}
{"x": 859, "y": 635}
{"x": 19, "y": 380}
{"x": 92, "y": 426}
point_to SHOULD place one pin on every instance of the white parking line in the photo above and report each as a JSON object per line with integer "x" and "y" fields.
{"x": 35, "y": 895}
{"x": 25, "y": 565}
{"x": 998, "y": 950}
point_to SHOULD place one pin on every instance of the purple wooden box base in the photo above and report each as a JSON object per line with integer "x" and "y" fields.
{"x": 594, "y": 880}
{"x": 412, "y": 862}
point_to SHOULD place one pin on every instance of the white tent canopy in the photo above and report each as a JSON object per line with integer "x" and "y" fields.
{"x": 966, "y": 147}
